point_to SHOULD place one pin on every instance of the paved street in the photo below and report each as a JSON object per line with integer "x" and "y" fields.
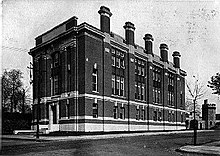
{"x": 163, "y": 144}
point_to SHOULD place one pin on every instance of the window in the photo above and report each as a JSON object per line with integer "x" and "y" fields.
{"x": 117, "y": 62}
{"x": 95, "y": 110}
{"x": 143, "y": 114}
{"x": 118, "y": 70}
{"x": 156, "y": 84}
{"x": 115, "y": 112}
{"x": 95, "y": 78}
{"x": 56, "y": 84}
{"x": 113, "y": 51}
{"x": 113, "y": 84}
{"x": 181, "y": 99}
{"x": 173, "y": 117}
{"x": 122, "y": 63}
{"x": 140, "y": 79}
{"x": 182, "y": 117}
{"x": 122, "y": 87}
{"x": 67, "y": 109}
{"x": 56, "y": 60}
{"x": 117, "y": 85}
{"x": 143, "y": 92}
{"x": 155, "y": 115}
{"x": 137, "y": 113}
{"x": 156, "y": 95}
{"x": 139, "y": 90}
{"x": 122, "y": 113}
{"x": 169, "y": 116}
{"x": 159, "y": 116}
{"x": 113, "y": 60}
{"x": 170, "y": 89}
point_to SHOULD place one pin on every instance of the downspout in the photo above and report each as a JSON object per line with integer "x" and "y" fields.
{"x": 163, "y": 100}
{"x": 128, "y": 58}
{"x": 103, "y": 86}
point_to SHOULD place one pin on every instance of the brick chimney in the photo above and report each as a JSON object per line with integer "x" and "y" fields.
{"x": 105, "y": 15}
{"x": 129, "y": 33}
{"x": 176, "y": 59}
{"x": 164, "y": 52}
{"x": 148, "y": 43}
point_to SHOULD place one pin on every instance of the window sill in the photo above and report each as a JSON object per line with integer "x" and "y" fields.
{"x": 95, "y": 92}
{"x": 117, "y": 96}
{"x": 140, "y": 100}
{"x": 160, "y": 104}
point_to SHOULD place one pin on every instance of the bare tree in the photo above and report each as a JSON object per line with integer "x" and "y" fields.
{"x": 196, "y": 92}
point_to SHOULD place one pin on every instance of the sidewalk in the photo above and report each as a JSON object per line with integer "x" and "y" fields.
{"x": 90, "y": 137}
{"x": 206, "y": 149}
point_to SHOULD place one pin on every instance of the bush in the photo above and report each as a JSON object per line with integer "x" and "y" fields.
{"x": 15, "y": 121}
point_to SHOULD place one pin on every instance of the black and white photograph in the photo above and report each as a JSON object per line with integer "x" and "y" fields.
{"x": 110, "y": 77}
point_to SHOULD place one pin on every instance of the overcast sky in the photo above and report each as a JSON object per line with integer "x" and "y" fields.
{"x": 191, "y": 27}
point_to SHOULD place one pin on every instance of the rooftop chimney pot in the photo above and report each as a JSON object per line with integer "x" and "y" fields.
{"x": 129, "y": 33}
{"x": 164, "y": 52}
{"x": 148, "y": 38}
{"x": 176, "y": 59}
{"x": 105, "y": 15}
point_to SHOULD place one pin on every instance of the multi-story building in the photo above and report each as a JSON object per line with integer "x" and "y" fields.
{"x": 90, "y": 79}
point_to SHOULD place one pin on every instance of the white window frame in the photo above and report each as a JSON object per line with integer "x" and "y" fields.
{"x": 96, "y": 78}
{"x": 113, "y": 84}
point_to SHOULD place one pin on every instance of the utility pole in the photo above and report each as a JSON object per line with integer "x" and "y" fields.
{"x": 38, "y": 104}
{"x": 38, "y": 96}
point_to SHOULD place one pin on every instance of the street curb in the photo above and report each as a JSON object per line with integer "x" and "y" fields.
{"x": 25, "y": 139}
{"x": 198, "y": 151}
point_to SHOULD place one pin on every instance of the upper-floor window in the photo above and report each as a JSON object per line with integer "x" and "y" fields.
{"x": 122, "y": 86}
{"x": 113, "y": 84}
{"x": 113, "y": 60}
{"x": 56, "y": 84}
{"x": 118, "y": 59}
{"x": 181, "y": 99}
{"x": 171, "y": 89}
{"x": 157, "y": 84}
{"x": 118, "y": 72}
{"x": 140, "y": 79}
{"x": 56, "y": 60}
{"x": 95, "y": 78}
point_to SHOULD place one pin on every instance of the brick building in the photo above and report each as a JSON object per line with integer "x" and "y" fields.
{"x": 92, "y": 79}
